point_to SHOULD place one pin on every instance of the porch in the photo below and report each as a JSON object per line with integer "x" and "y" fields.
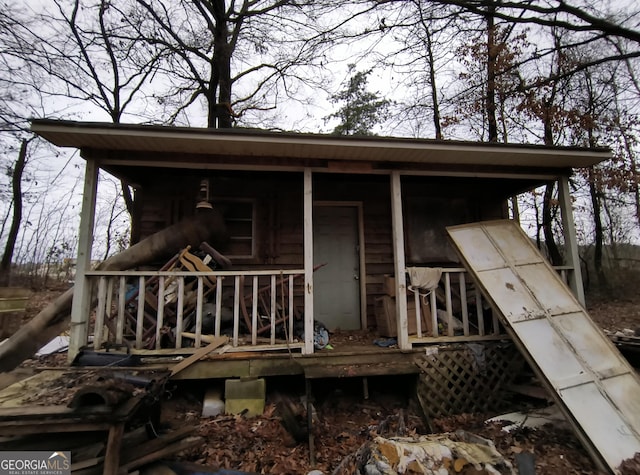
{"x": 273, "y": 309}
{"x": 400, "y": 195}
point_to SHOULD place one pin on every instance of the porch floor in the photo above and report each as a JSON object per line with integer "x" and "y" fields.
{"x": 351, "y": 354}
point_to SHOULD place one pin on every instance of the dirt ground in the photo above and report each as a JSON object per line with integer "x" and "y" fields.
{"x": 345, "y": 419}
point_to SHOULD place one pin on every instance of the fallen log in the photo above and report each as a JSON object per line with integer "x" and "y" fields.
{"x": 206, "y": 225}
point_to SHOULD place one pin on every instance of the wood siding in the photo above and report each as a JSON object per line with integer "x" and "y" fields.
{"x": 429, "y": 204}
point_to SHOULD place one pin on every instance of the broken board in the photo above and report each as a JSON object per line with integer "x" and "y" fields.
{"x": 597, "y": 388}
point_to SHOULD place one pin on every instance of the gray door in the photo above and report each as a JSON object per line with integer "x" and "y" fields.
{"x": 336, "y": 285}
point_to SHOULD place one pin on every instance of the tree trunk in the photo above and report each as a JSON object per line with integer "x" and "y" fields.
{"x": 16, "y": 183}
{"x": 613, "y": 244}
{"x": 126, "y": 195}
{"x": 492, "y": 123}
{"x": 222, "y": 66}
{"x": 207, "y": 226}
{"x": 434, "y": 90}
{"x": 547, "y": 215}
{"x": 515, "y": 209}
{"x": 599, "y": 232}
{"x": 547, "y": 220}
{"x": 634, "y": 171}
{"x": 538, "y": 223}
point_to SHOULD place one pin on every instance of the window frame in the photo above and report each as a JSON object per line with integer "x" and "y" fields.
{"x": 221, "y": 201}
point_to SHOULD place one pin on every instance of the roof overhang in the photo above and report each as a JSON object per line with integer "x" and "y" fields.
{"x": 132, "y": 145}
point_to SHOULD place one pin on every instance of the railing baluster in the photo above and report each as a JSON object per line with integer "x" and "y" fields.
{"x": 140, "y": 314}
{"x": 160, "y": 312}
{"x": 463, "y": 304}
{"x": 273, "y": 309}
{"x": 236, "y": 310}
{"x": 434, "y": 312}
{"x": 416, "y": 299}
{"x": 496, "y": 324}
{"x": 254, "y": 311}
{"x": 291, "y": 310}
{"x": 198, "y": 339}
{"x": 99, "y": 323}
{"x": 218, "y": 305}
{"x": 122, "y": 295}
{"x": 479, "y": 312}
{"x": 180, "y": 312}
{"x": 447, "y": 291}
{"x": 107, "y": 307}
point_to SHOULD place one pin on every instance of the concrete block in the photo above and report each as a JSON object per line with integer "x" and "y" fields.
{"x": 244, "y": 396}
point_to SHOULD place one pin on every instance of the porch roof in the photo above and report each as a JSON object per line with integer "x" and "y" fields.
{"x": 126, "y": 145}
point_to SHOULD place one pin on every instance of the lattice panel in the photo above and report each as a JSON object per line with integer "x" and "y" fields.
{"x": 467, "y": 379}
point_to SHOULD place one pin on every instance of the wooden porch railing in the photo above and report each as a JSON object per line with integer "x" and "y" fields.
{"x": 261, "y": 310}
{"x": 258, "y": 310}
{"x": 456, "y": 311}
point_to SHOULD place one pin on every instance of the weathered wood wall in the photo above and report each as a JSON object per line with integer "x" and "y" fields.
{"x": 430, "y": 204}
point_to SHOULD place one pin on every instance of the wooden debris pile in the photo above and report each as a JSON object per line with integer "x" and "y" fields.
{"x": 109, "y": 420}
{"x": 138, "y": 450}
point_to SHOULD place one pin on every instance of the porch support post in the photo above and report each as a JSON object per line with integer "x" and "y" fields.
{"x": 572, "y": 257}
{"x": 399, "y": 263}
{"x": 308, "y": 262}
{"x": 81, "y": 306}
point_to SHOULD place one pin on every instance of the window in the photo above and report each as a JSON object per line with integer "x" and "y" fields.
{"x": 239, "y": 217}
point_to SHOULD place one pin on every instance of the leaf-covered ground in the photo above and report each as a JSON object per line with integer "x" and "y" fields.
{"x": 345, "y": 421}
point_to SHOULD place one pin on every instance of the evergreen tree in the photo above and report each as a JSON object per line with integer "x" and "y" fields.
{"x": 361, "y": 109}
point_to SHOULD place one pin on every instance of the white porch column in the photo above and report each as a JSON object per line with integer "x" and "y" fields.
{"x": 570, "y": 242}
{"x": 81, "y": 306}
{"x": 399, "y": 263}
{"x": 308, "y": 261}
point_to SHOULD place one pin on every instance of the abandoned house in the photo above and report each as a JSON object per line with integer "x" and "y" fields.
{"x": 315, "y": 229}
{"x": 317, "y": 255}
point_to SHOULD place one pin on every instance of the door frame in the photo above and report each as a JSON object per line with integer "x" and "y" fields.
{"x": 361, "y": 252}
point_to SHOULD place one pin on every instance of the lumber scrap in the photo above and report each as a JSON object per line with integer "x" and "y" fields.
{"x": 204, "y": 337}
{"x": 112, "y": 455}
{"x": 201, "y": 353}
{"x": 131, "y": 451}
{"x": 172, "y": 449}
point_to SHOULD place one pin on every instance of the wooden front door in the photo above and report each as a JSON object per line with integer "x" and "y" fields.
{"x": 336, "y": 285}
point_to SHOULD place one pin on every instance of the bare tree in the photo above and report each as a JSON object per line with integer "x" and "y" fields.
{"x": 239, "y": 59}
{"x": 625, "y": 125}
{"x": 89, "y": 52}
{"x": 15, "y": 100}
{"x": 594, "y": 24}
{"x": 16, "y": 181}
{"x": 592, "y": 96}
{"x": 420, "y": 40}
